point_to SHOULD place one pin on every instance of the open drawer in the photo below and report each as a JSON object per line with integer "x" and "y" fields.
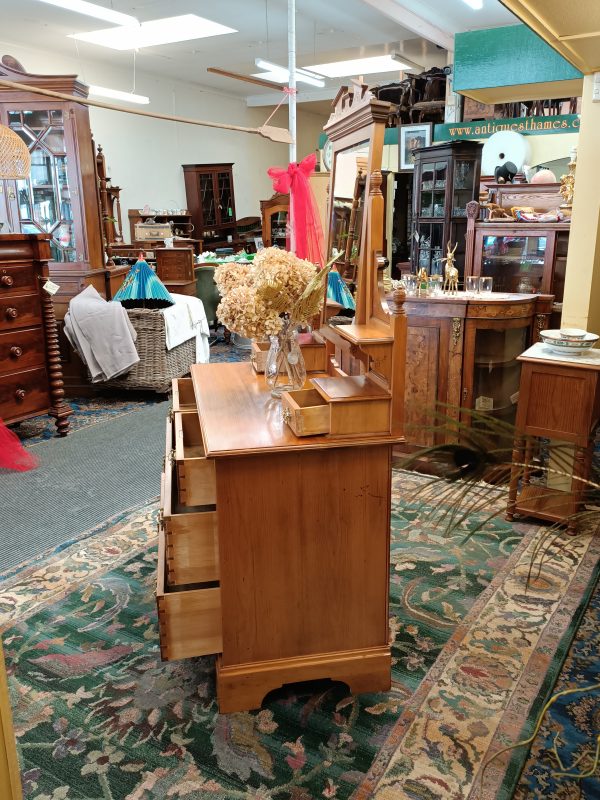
{"x": 196, "y": 477}
{"x": 306, "y": 412}
{"x": 189, "y": 619}
{"x": 191, "y": 543}
{"x": 184, "y": 398}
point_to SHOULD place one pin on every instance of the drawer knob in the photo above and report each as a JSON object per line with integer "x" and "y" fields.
{"x": 20, "y": 394}
{"x": 7, "y": 280}
{"x": 16, "y": 352}
{"x": 11, "y": 313}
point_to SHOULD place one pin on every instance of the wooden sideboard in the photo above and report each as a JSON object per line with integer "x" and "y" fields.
{"x": 462, "y": 354}
{"x": 31, "y": 380}
{"x": 265, "y": 538}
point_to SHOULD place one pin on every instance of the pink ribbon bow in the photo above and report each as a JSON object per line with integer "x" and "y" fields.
{"x": 304, "y": 218}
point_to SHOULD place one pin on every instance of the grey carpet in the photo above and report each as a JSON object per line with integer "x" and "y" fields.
{"x": 82, "y": 480}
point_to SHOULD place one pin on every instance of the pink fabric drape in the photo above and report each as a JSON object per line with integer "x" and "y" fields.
{"x": 304, "y": 217}
{"x": 12, "y": 453}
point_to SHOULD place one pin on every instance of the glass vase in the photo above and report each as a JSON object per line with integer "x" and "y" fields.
{"x": 285, "y": 369}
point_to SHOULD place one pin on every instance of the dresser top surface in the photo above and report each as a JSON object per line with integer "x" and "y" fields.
{"x": 238, "y": 416}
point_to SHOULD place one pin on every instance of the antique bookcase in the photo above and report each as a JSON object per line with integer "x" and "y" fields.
{"x": 446, "y": 178}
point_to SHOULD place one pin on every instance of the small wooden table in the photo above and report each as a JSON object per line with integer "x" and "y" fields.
{"x": 559, "y": 399}
{"x": 303, "y": 541}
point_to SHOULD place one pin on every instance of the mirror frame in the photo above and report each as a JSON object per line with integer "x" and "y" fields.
{"x": 358, "y": 117}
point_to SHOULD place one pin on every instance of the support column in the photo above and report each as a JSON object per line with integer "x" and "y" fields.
{"x": 581, "y": 302}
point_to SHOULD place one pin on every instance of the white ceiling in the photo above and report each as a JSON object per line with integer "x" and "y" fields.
{"x": 326, "y": 30}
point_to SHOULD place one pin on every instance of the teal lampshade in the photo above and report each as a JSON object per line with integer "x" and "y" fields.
{"x": 338, "y": 291}
{"x": 142, "y": 288}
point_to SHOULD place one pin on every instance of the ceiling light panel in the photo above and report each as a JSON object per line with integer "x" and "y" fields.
{"x": 116, "y": 94}
{"x": 358, "y": 66}
{"x": 155, "y": 32}
{"x": 93, "y": 10}
{"x": 477, "y": 5}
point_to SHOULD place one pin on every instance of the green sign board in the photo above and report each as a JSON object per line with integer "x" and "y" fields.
{"x": 483, "y": 129}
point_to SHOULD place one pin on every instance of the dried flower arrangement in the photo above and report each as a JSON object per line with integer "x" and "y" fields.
{"x": 277, "y": 289}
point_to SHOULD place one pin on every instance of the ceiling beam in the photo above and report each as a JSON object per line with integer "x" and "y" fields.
{"x": 273, "y": 98}
{"x": 412, "y": 22}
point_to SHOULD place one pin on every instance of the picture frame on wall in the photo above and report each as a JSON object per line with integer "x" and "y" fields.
{"x": 412, "y": 137}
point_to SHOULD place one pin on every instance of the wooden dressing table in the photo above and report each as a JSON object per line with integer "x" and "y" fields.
{"x": 274, "y": 548}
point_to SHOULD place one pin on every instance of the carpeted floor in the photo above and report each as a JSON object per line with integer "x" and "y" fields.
{"x": 86, "y": 477}
{"x": 97, "y": 711}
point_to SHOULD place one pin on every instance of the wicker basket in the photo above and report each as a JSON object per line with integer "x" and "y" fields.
{"x": 157, "y": 365}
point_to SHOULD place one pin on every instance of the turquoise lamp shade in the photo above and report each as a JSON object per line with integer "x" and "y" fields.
{"x": 142, "y": 288}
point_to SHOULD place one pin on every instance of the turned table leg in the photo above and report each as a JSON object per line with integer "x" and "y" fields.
{"x": 58, "y": 408}
{"x": 518, "y": 455}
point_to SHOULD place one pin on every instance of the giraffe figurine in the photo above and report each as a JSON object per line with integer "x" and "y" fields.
{"x": 450, "y": 271}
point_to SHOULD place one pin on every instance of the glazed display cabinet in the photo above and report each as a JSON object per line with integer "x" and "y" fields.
{"x": 446, "y": 179}
{"x": 519, "y": 256}
{"x": 274, "y": 213}
{"x": 211, "y": 202}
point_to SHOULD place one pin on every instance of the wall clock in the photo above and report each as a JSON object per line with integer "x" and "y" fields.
{"x": 328, "y": 155}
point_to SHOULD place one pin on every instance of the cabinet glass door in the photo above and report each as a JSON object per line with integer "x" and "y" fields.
{"x": 462, "y": 188}
{"x": 224, "y": 195}
{"x": 516, "y": 263}
{"x": 44, "y": 199}
{"x": 428, "y": 246}
{"x": 433, "y": 189}
{"x": 207, "y": 199}
{"x": 279, "y": 230}
{"x": 496, "y": 371}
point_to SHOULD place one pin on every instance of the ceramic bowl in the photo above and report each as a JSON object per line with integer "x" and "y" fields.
{"x": 572, "y": 334}
{"x": 554, "y": 340}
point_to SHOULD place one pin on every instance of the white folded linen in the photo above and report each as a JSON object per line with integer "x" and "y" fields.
{"x": 102, "y": 335}
{"x": 184, "y": 320}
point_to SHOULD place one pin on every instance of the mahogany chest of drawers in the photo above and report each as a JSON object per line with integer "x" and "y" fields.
{"x": 30, "y": 369}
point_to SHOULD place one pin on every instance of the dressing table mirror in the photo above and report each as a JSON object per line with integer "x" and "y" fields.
{"x": 374, "y": 343}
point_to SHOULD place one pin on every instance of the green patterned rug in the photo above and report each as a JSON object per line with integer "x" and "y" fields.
{"x": 99, "y": 717}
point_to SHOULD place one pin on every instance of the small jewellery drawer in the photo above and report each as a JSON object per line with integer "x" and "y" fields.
{"x": 184, "y": 398}
{"x": 306, "y": 412}
{"x": 19, "y": 311}
{"x": 21, "y": 349}
{"x": 191, "y": 542}
{"x": 16, "y": 280}
{"x": 189, "y": 619}
{"x": 196, "y": 478}
{"x": 22, "y": 393}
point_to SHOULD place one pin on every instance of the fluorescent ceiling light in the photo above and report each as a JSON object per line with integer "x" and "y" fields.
{"x": 358, "y": 66}
{"x": 93, "y": 10}
{"x": 157, "y": 31}
{"x": 405, "y": 64}
{"x": 475, "y": 4}
{"x": 279, "y": 74}
{"x": 115, "y": 94}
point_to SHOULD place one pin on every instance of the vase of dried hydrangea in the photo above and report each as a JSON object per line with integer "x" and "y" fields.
{"x": 285, "y": 369}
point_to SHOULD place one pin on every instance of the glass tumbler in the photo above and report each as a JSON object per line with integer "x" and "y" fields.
{"x": 485, "y": 285}
{"x": 472, "y": 285}
{"x": 410, "y": 283}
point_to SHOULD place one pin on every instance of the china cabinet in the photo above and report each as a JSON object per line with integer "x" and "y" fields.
{"x": 275, "y": 214}
{"x": 519, "y": 256}
{"x": 211, "y": 202}
{"x": 446, "y": 178}
{"x": 462, "y": 355}
{"x": 60, "y": 197}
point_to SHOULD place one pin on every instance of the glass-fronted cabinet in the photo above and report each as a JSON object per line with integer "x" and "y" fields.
{"x": 60, "y": 196}
{"x": 523, "y": 257}
{"x": 446, "y": 178}
{"x": 274, "y": 213}
{"x": 211, "y": 202}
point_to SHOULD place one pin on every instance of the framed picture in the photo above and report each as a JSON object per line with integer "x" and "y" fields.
{"x": 412, "y": 137}
{"x": 258, "y": 243}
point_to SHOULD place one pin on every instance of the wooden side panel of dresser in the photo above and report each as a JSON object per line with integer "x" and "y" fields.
{"x": 24, "y": 389}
